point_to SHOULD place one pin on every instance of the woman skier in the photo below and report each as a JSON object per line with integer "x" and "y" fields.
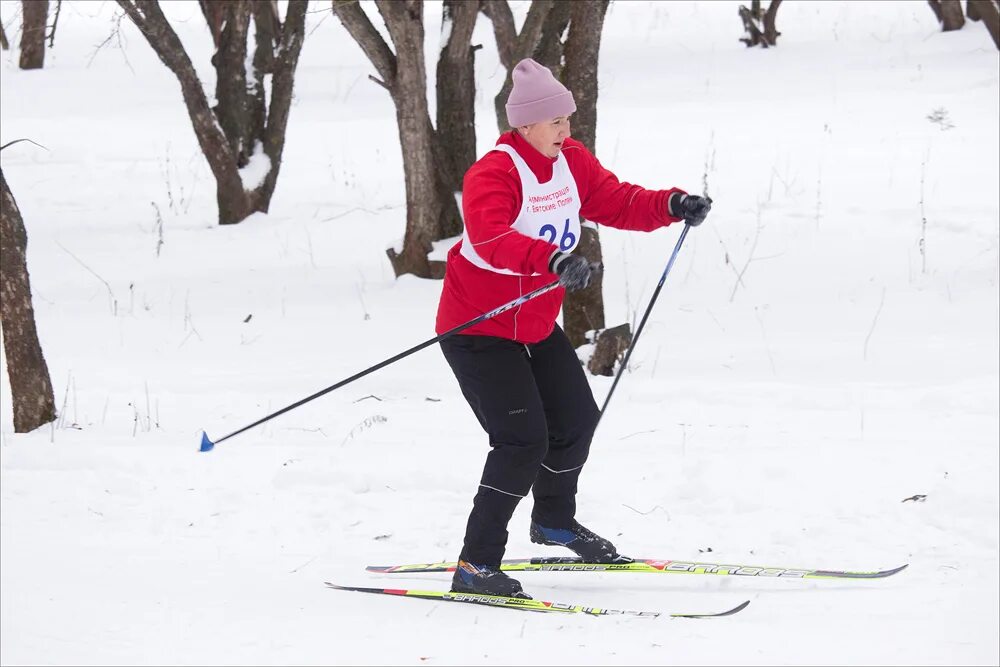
{"x": 522, "y": 204}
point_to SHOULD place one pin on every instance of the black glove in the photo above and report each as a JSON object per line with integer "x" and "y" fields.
{"x": 574, "y": 271}
{"x": 692, "y": 208}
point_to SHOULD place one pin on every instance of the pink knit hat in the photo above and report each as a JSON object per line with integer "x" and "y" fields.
{"x": 536, "y": 95}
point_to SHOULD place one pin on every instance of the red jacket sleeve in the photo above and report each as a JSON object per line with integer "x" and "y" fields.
{"x": 608, "y": 201}
{"x": 491, "y": 199}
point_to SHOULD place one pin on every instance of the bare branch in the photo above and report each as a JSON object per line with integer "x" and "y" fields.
{"x": 498, "y": 11}
{"x": 380, "y": 82}
{"x": 368, "y": 38}
{"x": 286, "y": 61}
{"x": 115, "y": 34}
{"x": 531, "y": 31}
{"x": 213, "y": 13}
{"x": 463, "y": 23}
{"x": 55, "y": 22}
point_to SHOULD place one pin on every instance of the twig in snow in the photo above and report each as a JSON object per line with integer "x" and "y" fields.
{"x": 62, "y": 411}
{"x": 303, "y": 565}
{"x": 626, "y": 437}
{"x": 385, "y": 207}
{"x": 767, "y": 345}
{"x": 366, "y": 424}
{"x": 361, "y": 298}
{"x": 55, "y": 23}
{"x": 739, "y": 275}
{"x": 709, "y": 164}
{"x": 819, "y": 195}
{"x": 158, "y": 228}
{"x": 111, "y": 293}
{"x": 923, "y": 215}
{"x": 726, "y": 256}
{"x": 874, "y": 322}
{"x": 657, "y": 507}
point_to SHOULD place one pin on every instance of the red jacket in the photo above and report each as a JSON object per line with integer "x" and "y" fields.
{"x": 491, "y": 200}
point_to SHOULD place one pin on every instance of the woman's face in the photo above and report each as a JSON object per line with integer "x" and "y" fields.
{"x": 548, "y": 136}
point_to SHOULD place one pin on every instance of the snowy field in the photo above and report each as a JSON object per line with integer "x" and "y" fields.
{"x": 780, "y": 418}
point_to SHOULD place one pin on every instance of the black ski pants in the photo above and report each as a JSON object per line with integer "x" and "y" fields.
{"x": 535, "y": 403}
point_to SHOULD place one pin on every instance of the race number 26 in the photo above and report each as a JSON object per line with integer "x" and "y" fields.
{"x": 566, "y": 241}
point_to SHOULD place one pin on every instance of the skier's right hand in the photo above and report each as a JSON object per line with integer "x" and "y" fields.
{"x": 574, "y": 272}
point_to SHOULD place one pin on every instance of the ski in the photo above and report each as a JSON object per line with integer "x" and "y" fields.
{"x": 645, "y": 565}
{"x": 527, "y": 604}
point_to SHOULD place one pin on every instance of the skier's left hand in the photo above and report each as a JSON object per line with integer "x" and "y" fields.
{"x": 574, "y": 271}
{"x": 692, "y": 208}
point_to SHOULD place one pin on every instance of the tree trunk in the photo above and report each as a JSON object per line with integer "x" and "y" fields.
{"x": 405, "y": 23}
{"x": 289, "y": 39}
{"x": 228, "y": 135}
{"x": 770, "y": 18}
{"x": 431, "y": 211}
{"x": 30, "y": 385}
{"x": 583, "y": 310}
{"x": 4, "y": 44}
{"x": 456, "y": 90}
{"x": 949, "y": 14}
{"x": 35, "y": 15}
{"x": 752, "y": 19}
{"x": 987, "y": 11}
{"x": 234, "y": 107}
{"x": 609, "y": 349}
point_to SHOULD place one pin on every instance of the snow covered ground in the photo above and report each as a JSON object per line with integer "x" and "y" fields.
{"x": 780, "y": 421}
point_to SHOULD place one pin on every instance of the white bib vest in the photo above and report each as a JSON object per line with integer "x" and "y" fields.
{"x": 549, "y": 211}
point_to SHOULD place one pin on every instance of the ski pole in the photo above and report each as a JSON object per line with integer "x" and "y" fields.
{"x": 207, "y": 444}
{"x": 642, "y": 323}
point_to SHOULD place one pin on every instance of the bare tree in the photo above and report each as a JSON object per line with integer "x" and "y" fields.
{"x": 987, "y": 11}
{"x": 431, "y": 210}
{"x": 760, "y": 25}
{"x": 948, "y": 13}
{"x": 242, "y": 126}
{"x": 35, "y": 15}
{"x": 31, "y": 387}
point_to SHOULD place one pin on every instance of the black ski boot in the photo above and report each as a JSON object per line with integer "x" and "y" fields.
{"x": 589, "y": 546}
{"x": 485, "y": 580}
